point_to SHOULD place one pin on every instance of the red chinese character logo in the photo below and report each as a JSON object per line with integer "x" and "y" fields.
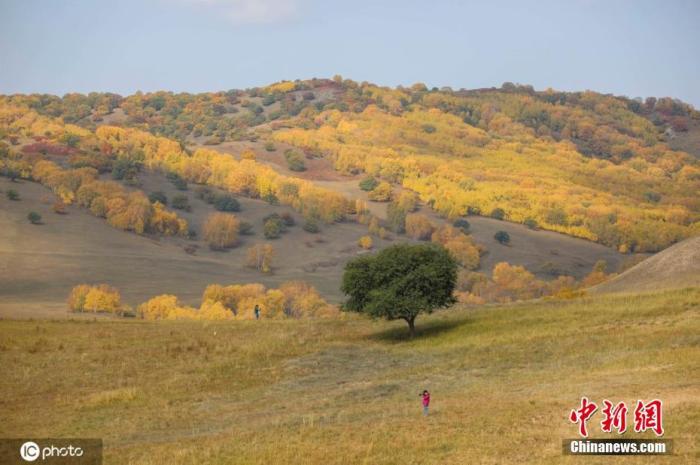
{"x": 582, "y": 415}
{"x": 648, "y": 416}
{"x": 615, "y": 417}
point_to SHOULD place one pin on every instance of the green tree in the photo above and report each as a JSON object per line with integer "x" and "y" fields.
{"x": 502, "y": 237}
{"x": 498, "y": 213}
{"x": 34, "y": 218}
{"x": 272, "y": 228}
{"x": 158, "y": 196}
{"x": 368, "y": 183}
{"x": 295, "y": 160}
{"x": 396, "y": 218}
{"x": 227, "y": 203}
{"x": 400, "y": 282}
{"x": 181, "y": 202}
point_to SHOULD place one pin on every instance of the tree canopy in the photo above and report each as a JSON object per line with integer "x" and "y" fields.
{"x": 400, "y": 282}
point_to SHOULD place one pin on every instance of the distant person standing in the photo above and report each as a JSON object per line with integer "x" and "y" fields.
{"x": 426, "y": 401}
{"x": 257, "y": 312}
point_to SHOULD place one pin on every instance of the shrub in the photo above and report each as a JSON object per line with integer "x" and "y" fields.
{"x": 221, "y": 230}
{"x": 556, "y": 216}
{"x": 246, "y": 228}
{"x": 396, "y": 218}
{"x": 365, "y": 242}
{"x": 226, "y": 203}
{"x": 59, "y": 207}
{"x": 125, "y": 169}
{"x": 268, "y": 100}
{"x": 381, "y": 193}
{"x": 177, "y": 181}
{"x": 295, "y": 160}
{"x": 418, "y": 227}
{"x": 270, "y": 198}
{"x": 498, "y": 213}
{"x": 502, "y": 237}
{"x": 181, "y": 202}
{"x": 248, "y": 154}
{"x": 429, "y": 128}
{"x": 158, "y": 196}
{"x": 206, "y": 194}
{"x": 368, "y": 183}
{"x": 462, "y": 225}
{"x": 34, "y": 218}
{"x": 311, "y": 226}
{"x": 652, "y": 197}
{"x": 288, "y": 219}
{"x": 460, "y": 246}
{"x": 270, "y": 146}
{"x": 272, "y": 228}
{"x": 530, "y": 223}
{"x": 12, "y": 194}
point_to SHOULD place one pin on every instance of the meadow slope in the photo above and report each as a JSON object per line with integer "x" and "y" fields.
{"x": 39, "y": 264}
{"x": 503, "y": 380}
{"x": 672, "y": 268}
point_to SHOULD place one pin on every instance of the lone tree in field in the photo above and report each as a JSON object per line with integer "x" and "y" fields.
{"x": 400, "y": 282}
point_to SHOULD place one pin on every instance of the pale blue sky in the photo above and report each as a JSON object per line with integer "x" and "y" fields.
{"x": 628, "y": 47}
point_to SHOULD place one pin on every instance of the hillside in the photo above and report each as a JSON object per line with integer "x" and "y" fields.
{"x": 600, "y": 167}
{"x": 676, "y": 267}
{"x": 41, "y": 263}
{"x": 332, "y": 392}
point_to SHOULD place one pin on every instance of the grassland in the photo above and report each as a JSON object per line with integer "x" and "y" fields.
{"x": 503, "y": 380}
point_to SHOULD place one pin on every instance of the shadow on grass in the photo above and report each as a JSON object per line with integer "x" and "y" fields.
{"x": 425, "y": 330}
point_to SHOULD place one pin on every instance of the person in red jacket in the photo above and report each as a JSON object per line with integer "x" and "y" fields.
{"x": 426, "y": 401}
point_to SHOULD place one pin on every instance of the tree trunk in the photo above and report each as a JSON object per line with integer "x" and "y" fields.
{"x": 411, "y": 326}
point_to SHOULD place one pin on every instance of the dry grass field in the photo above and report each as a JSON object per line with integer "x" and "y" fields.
{"x": 675, "y": 267}
{"x": 502, "y": 378}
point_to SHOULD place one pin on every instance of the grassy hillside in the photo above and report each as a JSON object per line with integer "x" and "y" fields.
{"x": 46, "y": 261}
{"x": 605, "y": 168}
{"x": 673, "y": 268}
{"x": 503, "y": 379}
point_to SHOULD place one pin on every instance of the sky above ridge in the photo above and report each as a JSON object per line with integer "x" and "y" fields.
{"x": 637, "y": 48}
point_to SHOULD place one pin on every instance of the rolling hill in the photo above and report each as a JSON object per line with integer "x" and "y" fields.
{"x": 673, "y": 268}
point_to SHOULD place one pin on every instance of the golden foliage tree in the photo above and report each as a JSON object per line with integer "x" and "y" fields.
{"x": 100, "y": 298}
{"x": 221, "y": 230}
{"x": 381, "y": 193}
{"x": 418, "y": 226}
{"x": 260, "y": 257}
{"x": 365, "y": 242}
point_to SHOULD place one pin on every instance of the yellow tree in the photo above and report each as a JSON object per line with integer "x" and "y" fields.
{"x": 103, "y": 298}
{"x": 365, "y": 242}
{"x": 221, "y": 230}
{"x": 260, "y": 257}
{"x": 418, "y": 227}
